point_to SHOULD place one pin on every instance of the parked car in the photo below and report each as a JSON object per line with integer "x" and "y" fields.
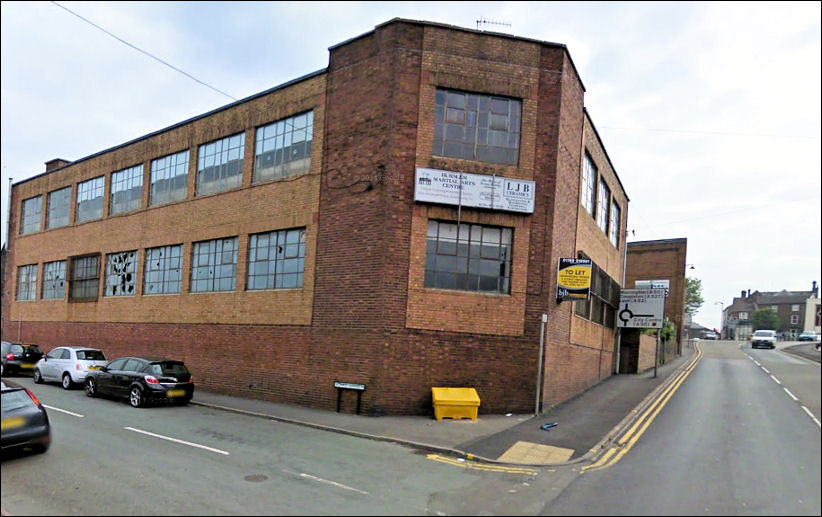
{"x": 711, "y": 335}
{"x": 68, "y": 365}
{"x": 763, "y": 338}
{"x": 25, "y": 423}
{"x": 141, "y": 380}
{"x": 808, "y": 335}
{"x": 18, "y": 357}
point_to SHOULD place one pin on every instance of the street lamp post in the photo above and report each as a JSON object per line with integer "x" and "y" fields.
{"x": 722, "y": 316}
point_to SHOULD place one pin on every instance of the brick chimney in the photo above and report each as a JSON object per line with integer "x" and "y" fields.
{"x": 56, "y": 164}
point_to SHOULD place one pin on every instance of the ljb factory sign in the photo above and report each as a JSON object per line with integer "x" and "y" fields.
{"x": 474, "y": 190}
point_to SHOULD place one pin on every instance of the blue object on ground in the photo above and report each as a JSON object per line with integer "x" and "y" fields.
{"x": 547, "y": 427}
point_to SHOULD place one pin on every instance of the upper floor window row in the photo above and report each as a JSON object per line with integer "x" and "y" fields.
{"x": 598, "y": 201}
{"x": 477, "y": 127}
{"x": 282, "y": 149}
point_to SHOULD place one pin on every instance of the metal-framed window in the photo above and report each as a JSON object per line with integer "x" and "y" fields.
{"x": 603, "y": 302}
{"x": 468, "y": 257}
{"x": 276, "y": 260}
{"x": 163, "y": 273}
{"x": 27, "y": 282}
{"x": 84, "y": 283}
{"x": 90, "y": 199}
{"x": 126, "y": 189}
{"x": 220, "y": 164}
{"x": 613, "y": 231}
{"x": 477, "y": 127}
{"x": 121, "y": 274}
{"x": 169, "y": 179}
{"x": 589, "y": 182}
{"x": 283, "y": 148}
{"x": 794, "y": 319}
{"x": 214, "y": 265}
{"x": 54, "y": 280}
{"x": 32, "y": 213}
{"x": 59, "y": 206}
{"x": 603, "y": 205}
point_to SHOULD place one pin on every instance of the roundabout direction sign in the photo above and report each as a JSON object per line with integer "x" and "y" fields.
{"x": 641, "y": 308}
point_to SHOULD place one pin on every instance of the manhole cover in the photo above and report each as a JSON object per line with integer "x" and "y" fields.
{"x": 256, "y": 478}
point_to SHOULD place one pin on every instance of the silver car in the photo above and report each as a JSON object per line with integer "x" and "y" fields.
{"x": 68, "y": 365}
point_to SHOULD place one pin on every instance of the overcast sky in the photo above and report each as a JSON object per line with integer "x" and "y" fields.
{"x": 710, "y": 112}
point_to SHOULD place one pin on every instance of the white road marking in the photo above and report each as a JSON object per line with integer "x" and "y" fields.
{"x": 332, "y": 483}
{"x": 790, "y": 394}
{"x": 63, "y": 411}
{"x": 808, "y": 411}
{"x": 765, "y": 369}
{"x": 776, "y": 380}
{"x": 175, "y": 440}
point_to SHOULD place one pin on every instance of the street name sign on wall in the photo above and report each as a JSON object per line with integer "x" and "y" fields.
{"x": 641, "y": 308}
{"x": 474, "y": 190}
{"x": 573, "y": 279}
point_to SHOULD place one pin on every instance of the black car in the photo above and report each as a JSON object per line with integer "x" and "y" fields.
{"x": 25, "y": 423}
{"x": 18, "y": 357}
{"x": 141, "y": 380}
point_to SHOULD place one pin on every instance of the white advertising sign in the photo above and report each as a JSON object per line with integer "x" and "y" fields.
{"x": 474, "y": 190}
{"x": 641, "y": 308}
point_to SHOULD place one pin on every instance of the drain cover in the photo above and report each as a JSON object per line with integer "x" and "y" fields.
{"x": 255, "y": 478}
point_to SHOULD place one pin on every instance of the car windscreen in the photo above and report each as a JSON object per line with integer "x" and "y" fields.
{"x": 169, "y": 369}
{"x": 90, "y": 355}
{"x": 764, "y": 333}
{"x": 16, "y": 399}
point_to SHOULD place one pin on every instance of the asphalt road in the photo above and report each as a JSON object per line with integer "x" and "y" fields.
{"x": 730, "y": 441}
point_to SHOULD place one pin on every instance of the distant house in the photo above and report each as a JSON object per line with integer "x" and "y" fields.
{"x": 797, "y": 311}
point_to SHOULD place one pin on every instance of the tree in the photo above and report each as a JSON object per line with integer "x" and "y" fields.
{"x": 693, "y": 295}
{"x": 765, "y": 318}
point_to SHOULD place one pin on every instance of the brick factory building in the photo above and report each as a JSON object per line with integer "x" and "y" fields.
{"x": 313, "y": 233}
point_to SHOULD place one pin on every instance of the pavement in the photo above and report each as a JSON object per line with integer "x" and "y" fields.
{"x": 585, "y": 425}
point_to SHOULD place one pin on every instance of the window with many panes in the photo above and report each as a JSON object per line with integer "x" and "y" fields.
{"x": 284, "y": 147}
{"x": 468, "y": 257}
{"x": 613, "y": 231}
{"x": 59, "y": 207}
{"x": 121, "y": 274}
{"x": 126, "y": 189}
{"x": 90, "y": 199}
{"x": 220, "y": 164}
{"x": 794, "y": 319}
{"x": 602, "y": 206}
{"x": 276, "y": 260}
{"x": 169, "y": 179}
{"x": 32, "y": 211}
{"x": 27, "y": 282}
{"x": 214, "y": 265}
{"x": 477, "y": 127}
{"x": 603, "y": 302}
{"x": 163, "y": 273}
{"x": 84, "y": 283}
{"x": 589, "y": 184}
{"x": 54, "y": 280}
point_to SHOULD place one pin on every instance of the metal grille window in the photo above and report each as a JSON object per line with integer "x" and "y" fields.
{"x": 589, "y": 182}
{"x": 54, "y": 280}
{"x": 604, "y": 202}
{"x": 284, "y": 147}
{"x": 276, "y": 260}
{"x": 27, "y": 282}
{"x": 468, "y": 257}
{"x": 214, "y": 265}
{"x": 126, "y": 189}
{"x": 163, "y": 270}
{"x": 603, "y": 302}
{"x": 220, "y": 164}
{"x": 169, "y": 179}
{"x": 613, "y": 232}
{"x": 85, "y": 278}
{"x": 121, "y": 274}
{"x": 32, "y": 211}
{"x": 58, "y": 209}
{"x": 477, "y": 127}
{"x": 90, "y": 199}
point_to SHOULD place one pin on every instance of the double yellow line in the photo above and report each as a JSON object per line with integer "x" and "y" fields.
{"x": 627, "y": 440}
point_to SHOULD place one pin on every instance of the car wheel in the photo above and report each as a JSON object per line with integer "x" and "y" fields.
{"x": 2, "y": 370}
{"x": 67, "y": 382}
{"x": 135, "y": 397}
{"x": 37, "y": 377}
{"x": 91, "y": 387}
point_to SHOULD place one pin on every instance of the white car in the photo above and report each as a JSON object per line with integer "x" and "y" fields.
{"x": 68, "y": 365}
{"x": 764, "y": 338}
